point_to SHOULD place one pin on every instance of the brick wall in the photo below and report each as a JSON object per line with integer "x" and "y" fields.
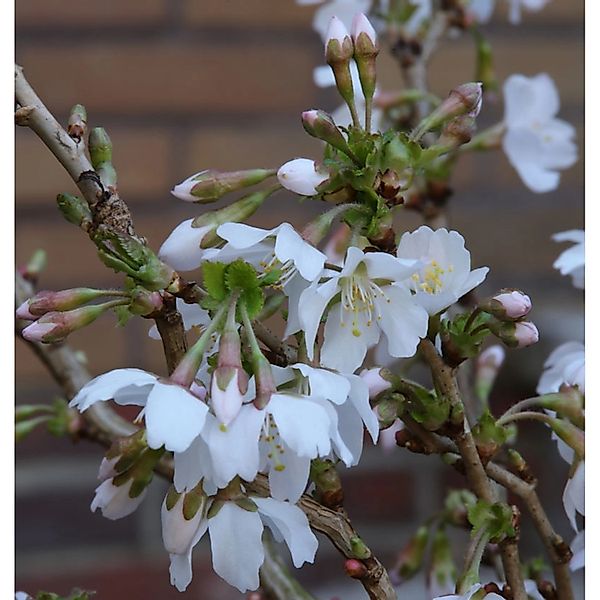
{"x": 183, "y": 85}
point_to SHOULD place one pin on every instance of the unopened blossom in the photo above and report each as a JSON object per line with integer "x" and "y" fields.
{"x": 572, "y": 261}
{"x": 281, "y": 248}
{"x": 536, "y": 143}
{"x": 574, "y": 495}
{"x": 512, "y": 304}
{"x": 526, "y": 334}
{"x": 173, "y": 415}
{"x": 372, "y": 299}
{"x": 375, "y": 382}
{"x": 236, "y": 541}
{"x": 302, "y": 176}
{"x": 114, "y": 501}
{"x": 445, "y": 272}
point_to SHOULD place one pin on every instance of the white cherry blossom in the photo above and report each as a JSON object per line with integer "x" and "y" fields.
{"x": 174, "y": 416}
{"x": 281, "y": 248}
{"x": 566, "y": 364}
{"x": 181, "y": 250}
{"x": 572, "y": 261}
{"x": 369, "y": 298}
{"x": 574, "y": 495}
{"x": 115, "y": 501}
{"x": 236, "y": 541}
{"x": 301, "y": 176}
{"x": 536, "y": 143}
{"x": 482, "y": 10}
{"x": 445, "y": 274}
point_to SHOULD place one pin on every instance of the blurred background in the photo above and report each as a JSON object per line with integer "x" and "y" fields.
{"x": 184, "y": 85}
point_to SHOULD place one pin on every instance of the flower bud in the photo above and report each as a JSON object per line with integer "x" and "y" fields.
{"x": 457, "y": 132}
{"x": 100, "y": 147}
{"x": 568, "y": 402}
{"x": 225, "y": 395}
{"x": 36, "y": 264}
{"x": 115, "y": 501}
{"x": 519, "y": 334}
{"x": 322, "y": 126}
{"x": 570, "y": 434}
{"x": 508, "y": 305}
{"x": 411, "y": 556}
{"x": 338, "y": 43}
{"x": 487, "y": 368}
{"x": 181, "y": 516}
{"x": 388, "y": 409}
{"x": 56, "y": 326}
{"x": 24, "y": 428}
{"x": 77, "y": 124}
{"x": 123, "y": 454}
{"x": 375, "y": 382}
{"x": 366, "y": 50}
{"x": 355, "y": 568}
{"x": 209, "y": 185}
{"x": 301, "y": 176}
{"x": 328, "y": 484}
{"x": 74, "y": 209}
{"x": 48, "y": 301}
{"x": 339, "y": 50}
{"x": 465, "y": 99}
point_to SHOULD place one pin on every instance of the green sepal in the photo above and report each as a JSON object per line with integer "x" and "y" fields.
{"x": 246, "y": 503}
{"x": 496, "y": 519}
{"x": 172, "y": 498}
{"x": 359, "y": 548}
{"x": 214, "y": 280}
{"x": 427, "y": 408}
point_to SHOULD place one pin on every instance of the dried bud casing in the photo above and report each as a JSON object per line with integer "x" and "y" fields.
{"x": 77, "y": 124}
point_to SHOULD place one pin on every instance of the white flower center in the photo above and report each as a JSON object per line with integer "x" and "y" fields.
{"x": 359, "y": 294}
{"x": 287, "y": 269}
{"x": 430, "y": 279}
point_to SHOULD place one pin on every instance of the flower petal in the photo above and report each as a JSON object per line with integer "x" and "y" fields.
{"x": 325, "y": 384}
{"x": 236, "y": 544}
{"x": 291, "y": 523}
{"x": 119, "y": 383}
{"x": 289, "y": 483}
{"x": 289, "y": 245}
{"x": 181, "y": 250}
{"x": 174, "y": 417}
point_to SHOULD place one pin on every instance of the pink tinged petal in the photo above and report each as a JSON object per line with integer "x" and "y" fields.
{"x": 387, "y": 438}
{"x": 325, "y": 384}
{"x": 236, "y": 544}
{"x": 348, "y": 336}
{"x": 289, "y": 245}
{"x": 107, "y": 468}
{"x": 114, "y": 501}
{"x": 578, "y": 549}
{"x": 234, "y": 449}
{"x": 181, "y": 250}
{"x": 37, "y": 331}
{"x": 359, "y": 398}
{"x": 111, "y": 385}
{"x": 23, "y": 312}
{"x": 192, "y": 465}
{"x": 374, "y": 382}
{"x": 311, "y": 306}
{"x": 291, "y": 524}
{"x": 574, "y": 496}
{"x": 290, "y": 482}
{"x": 174, "y": 417}
{"x": 402, "y": 321}
{"x": 302, "y": 424}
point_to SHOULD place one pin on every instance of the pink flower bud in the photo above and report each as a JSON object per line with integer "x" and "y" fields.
{"x": 56, "y": 326}
{"x": 24, "y": 313}
{"x": 355, "y": 568}
{"x": 338, "y": 43}
{"x": 513, "y": 304}
{"x": 362, "y": 25}
{"x": 375, "y": 382}
{"x": 301, "y": 176}
{"x": 46, "y": 301}
{"x": 486, "y": 370}
{"x": 526, "y": 334}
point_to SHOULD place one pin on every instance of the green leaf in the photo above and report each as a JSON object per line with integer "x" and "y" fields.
{"x": 214, "y": 280}
{"x": 240, "y": 275}
{"x": 496, "y": 519}
{"x": 254, "y": 300}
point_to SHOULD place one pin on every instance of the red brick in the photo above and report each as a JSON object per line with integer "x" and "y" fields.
{"x": 244, "y": 13}
{"x": 45, "y": 13}
{"x": 141, "y": 157}
{"x": 169, "y": 77}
